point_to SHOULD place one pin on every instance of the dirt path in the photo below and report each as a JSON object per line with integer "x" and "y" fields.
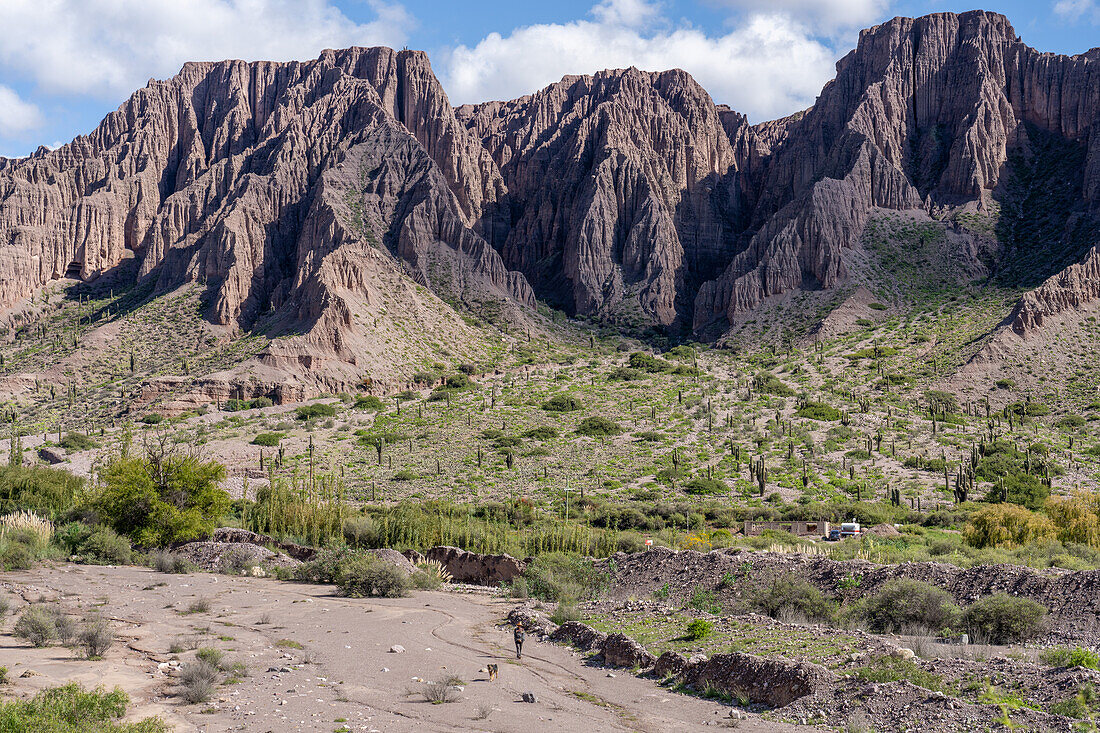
{"x": 342, "y": 674}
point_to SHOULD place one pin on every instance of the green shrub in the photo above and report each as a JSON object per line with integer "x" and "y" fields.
{"x": 770, "y": 384}
{"x": 458, "y": 381}
{"x": 361, "y": 532}
{"x": 563, "y": 402}
{"x": 425, "y": 378}
{"x": 324, "y": 567}
{"x": 153, "y": 418}
{"x": 598, "y": 427}
{"x": 104, "y": 546}
{"x": 366, "y": 577}
{"x": 267, "y": 440}
{"x": 818, "y": 411}
{"x": 368, "y": 402}
{"x": 648, "y": 363}
{"x": 903, "y": 604}
{"x": 625, "y": 374}
{"x": 16, "y": 556}
{"x": 47, "y": 492}
{"x": 560, "y": 576}
{"x": 72, "y": 535}
{"x": 1076, "y": 657}
{"x": 164, "y": 561}
{"x": 1005, "y": 619}
{"x": 698, "y": 629}
{"x": 76, "y": 442}
{"x": 72, "y": 709}
{"x": 543, "y": 432}
{"x": 565, "y": 612}
{"x": 704, "y": 599}
{"x": 889, "y": 669}
{"x": 36, "y": 625}
{"x": 795, "y": 595}
{"x": 316, "y": 409}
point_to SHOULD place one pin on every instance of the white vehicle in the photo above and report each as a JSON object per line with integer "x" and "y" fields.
{"x": 849, "y": 529}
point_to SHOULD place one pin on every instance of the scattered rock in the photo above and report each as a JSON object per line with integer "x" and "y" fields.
{"x": 397, "y": 649}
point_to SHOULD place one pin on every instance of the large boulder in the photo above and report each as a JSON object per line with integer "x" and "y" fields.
{"x": 531, "y": 620}
{"x": 771, "y": 682}
{"x": 619, "y": 650}
{"x": 580, "y": 635}
{"x": 237, "y": 535}
{"x": 224, "y": 556}
{"x": 474, "y": 567}
{"x": 394, "y": 557}
{"x": 670, "y": 664}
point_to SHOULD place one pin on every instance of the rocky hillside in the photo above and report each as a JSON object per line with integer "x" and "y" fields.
{"x": 345, "y": 204}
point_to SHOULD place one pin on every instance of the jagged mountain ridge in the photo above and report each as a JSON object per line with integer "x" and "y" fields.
{"x": 286, "y": 189}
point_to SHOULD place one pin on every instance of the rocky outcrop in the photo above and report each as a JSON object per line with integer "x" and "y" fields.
{"x": 328, "y": 200}
{"x": 770, "y": 682}
{"x": 474, "y": 567}
{"x": 1075, "y": 287}
{"x": 623, "y": 191}
{"x": 234, "y": 535}
{"x": 580, "y": 635}
{"x": 291, "y": 193}
{"x": 619, "y": 650}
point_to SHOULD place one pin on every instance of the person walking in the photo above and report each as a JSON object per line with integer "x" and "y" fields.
{"x": 519, "y": 635}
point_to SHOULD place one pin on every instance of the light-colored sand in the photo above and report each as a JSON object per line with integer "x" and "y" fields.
{"x": 350, "y": 675}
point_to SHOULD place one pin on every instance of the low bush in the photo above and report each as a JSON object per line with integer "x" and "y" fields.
{"x": 72, "y": 709}
{"x": 361, "y": 532}
{"x": 366, "y": 577}
{"x": 543, "y": 432}
{"x": 598, "y": 427}
{"x": 1065, "y": 657}
{"x": 104, "y": 546}
{"x": 198, "y": 680}
{"x": 315, "y": 410}
{"x": 267, "y": 440}
{"x": 96, "y": 637}
{"x": 698, "y": 629}
{"x": 889, "y": 669}
{"x": 560, "y": 576}
{"x": 36, "y": 625}
{"x": 791, "y": 595}
{"x": 77, "y": 442}
{"x": 904, "y": 604}
{"x": 164, "y": 561}
{"x": 818, "y": 411}
{"x": 368, "y": 402}
{"x": 562, "y": 403}
{"x": 1005, "y": 619}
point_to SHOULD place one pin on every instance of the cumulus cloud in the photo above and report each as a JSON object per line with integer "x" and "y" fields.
{"x": 828, "y": 16}
{"x": 1076, "y": 9}
{"x": 110, "y": 47}
{"x": 767, "y": 66}
{"x": 16, "y": 115}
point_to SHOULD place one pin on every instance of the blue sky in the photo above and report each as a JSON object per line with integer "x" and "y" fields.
{"x": 65, "y": 63}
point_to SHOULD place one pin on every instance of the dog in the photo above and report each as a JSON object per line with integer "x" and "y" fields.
{"x": 492, "y": 672}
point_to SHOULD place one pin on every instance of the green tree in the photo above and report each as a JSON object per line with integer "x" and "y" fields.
{"x": 162, "y": 498}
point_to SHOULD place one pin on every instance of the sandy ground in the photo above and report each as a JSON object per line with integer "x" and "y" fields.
{"x": 343, "y": 674}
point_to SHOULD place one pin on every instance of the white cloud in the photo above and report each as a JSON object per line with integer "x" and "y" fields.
{"x": 827, "y": 16}
{"x": 766, "y": 67}
{"x": 1074, "y": 9}
{"x": 16, "y": 115}
{"x": 110, "y": 47}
